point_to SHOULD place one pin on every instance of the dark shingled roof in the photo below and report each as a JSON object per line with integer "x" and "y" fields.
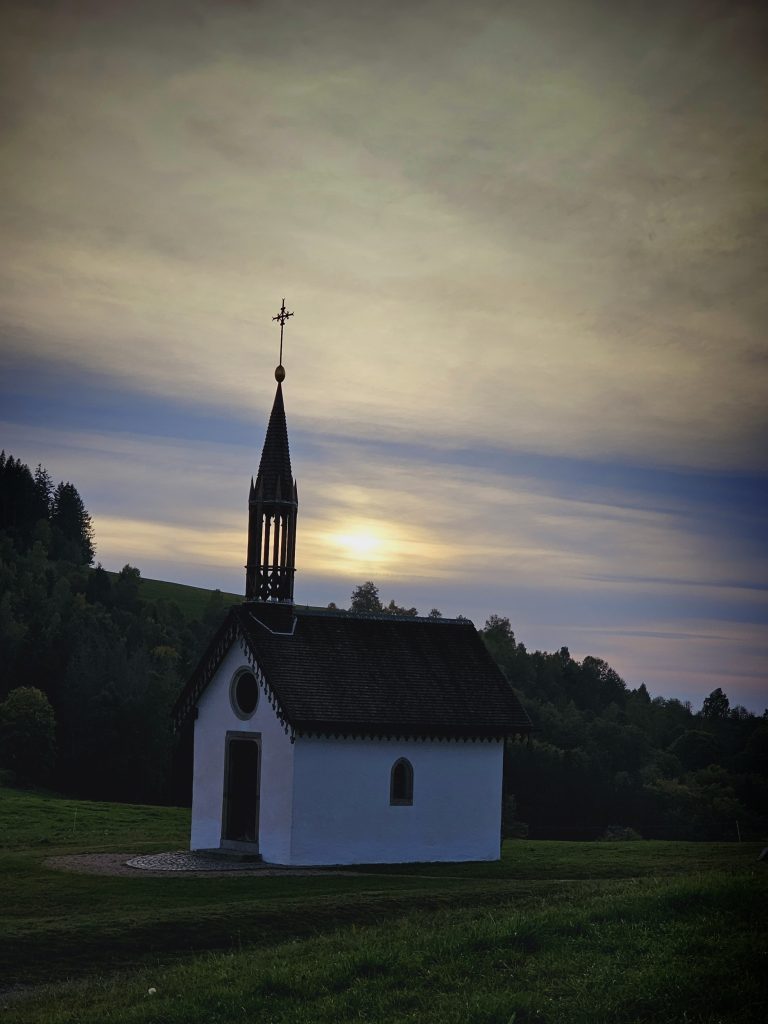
{"x": 275, "y": 465}
{"x": 339, "y": 673}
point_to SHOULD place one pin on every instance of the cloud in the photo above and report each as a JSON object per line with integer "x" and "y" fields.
{"x": 526, "y": 251}
{"x": 440, "y": 520}
{"x": 701, "y": 655}
{"x": 493, "y": 229}
{"x": 653, "y": 592}
{"x": 427, "y": 519}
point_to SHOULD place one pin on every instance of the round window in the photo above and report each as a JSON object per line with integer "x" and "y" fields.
{"x": 244, "y": 693}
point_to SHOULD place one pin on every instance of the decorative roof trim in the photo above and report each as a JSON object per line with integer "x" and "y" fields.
{"x": 271, "y": 696}
{"x": 206, "y": 669}
{"x": 432, "y": 736}
{"x": 229, "y": 632}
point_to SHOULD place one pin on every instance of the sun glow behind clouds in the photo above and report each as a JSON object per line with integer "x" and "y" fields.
{"x": 361, "y": 544}
{"x": 361, "y": 547}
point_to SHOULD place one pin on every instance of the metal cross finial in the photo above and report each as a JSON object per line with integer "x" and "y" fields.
{"x": 281, "y": 317}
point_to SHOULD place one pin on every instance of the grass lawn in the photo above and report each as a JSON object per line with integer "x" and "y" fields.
{"x": 192, "y": 601}
{"x": 555, "y": 932}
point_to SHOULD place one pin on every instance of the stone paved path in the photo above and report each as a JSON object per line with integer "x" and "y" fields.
{"x": 184, "y": 860}
{"x": 178, "y": 863}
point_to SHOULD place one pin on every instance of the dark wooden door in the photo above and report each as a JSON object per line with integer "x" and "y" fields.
{"x": 241, "y": 795}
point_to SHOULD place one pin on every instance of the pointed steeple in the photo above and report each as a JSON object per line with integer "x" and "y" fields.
{"x": 272, "y": 509}
{"x": 274, "y": 473}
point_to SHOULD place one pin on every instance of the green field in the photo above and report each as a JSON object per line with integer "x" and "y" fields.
{"x": 192, "y": 601}
{"x": 555, "y": 932}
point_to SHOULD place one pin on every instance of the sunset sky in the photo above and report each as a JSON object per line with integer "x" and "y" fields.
{"x": 525, "y": 244}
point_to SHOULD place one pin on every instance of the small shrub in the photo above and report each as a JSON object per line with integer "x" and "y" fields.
{"x": 27, "y": 735}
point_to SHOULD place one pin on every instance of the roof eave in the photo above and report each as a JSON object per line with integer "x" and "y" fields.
{"x": 359, "y": 730}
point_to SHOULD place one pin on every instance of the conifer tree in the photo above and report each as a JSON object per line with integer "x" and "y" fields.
{"x": 20, "y": 506}
{"x": 43, "y": 491}
{"x": 72, "y": 526}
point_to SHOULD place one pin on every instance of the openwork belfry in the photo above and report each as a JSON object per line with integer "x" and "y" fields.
{"x": 273, "y": 503}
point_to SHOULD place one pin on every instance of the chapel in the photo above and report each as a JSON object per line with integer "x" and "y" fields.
{"x": 325, "y": 737}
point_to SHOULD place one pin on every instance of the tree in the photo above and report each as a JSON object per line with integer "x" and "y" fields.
{"x": 695, "y": 749}
{"x": 126, "y": 589}
{"x": 44, "y": 491}
{"x": 214, "y": 612}
{"x": 21, "y": 505}
{"x": 604, "y": 685}
{"x": 499, "y": 628}
{"x": 641, "y": 694}
{"x": 395, "y": 609}
{"x": 365, "y": 599}
{"x": 72, "y": 526}
{"x": 499, "y": 639}
{"x": 27, "y": 734}
{"x": 99, "y": 588}
{"x": 716, "y": 705}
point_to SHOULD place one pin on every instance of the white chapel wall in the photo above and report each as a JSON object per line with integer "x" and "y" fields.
{"x": 342, "y": 812}
{"x": 215, "y": 718}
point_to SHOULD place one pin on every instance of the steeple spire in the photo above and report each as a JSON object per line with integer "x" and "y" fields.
{"x": 274, "y": 474}
{"x": 272, "y": 508}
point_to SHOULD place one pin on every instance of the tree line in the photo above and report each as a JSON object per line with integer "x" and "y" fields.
{"x": 89, "y": 672}
{"x": 83, "y": 660}
{"x": 603, "y": 754}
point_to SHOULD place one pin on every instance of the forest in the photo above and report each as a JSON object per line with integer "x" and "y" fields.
{"x": 89, "y": 671}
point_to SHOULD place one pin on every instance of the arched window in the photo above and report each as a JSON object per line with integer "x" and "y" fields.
{"x": 401, "y": 782}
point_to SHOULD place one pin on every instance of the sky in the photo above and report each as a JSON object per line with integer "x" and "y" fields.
{"x": 525, "y": 245}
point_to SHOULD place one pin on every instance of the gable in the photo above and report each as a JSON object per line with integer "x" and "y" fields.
{"x": 227, "y": 637}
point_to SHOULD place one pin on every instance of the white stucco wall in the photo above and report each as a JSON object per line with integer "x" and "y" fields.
{"x": 326, "y": 801}
{"x": 216, "y": 718}
{"x": 342, "y": 814}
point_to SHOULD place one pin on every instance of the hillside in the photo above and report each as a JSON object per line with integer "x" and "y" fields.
{"x": 192, "y": 601}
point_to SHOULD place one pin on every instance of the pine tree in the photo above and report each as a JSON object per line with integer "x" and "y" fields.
{"x": 21, "y": 507}
{"x": 44, "y": 491}
{"x": 72, "y": 526}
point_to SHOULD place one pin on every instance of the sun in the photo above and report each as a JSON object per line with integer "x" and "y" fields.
{"x": 363, "y": 544}
{"x": 360, "y": 544}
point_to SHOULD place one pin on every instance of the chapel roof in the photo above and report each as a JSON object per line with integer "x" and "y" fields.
{"x": 338, "y": 673}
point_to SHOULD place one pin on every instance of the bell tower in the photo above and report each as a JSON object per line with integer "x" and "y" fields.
{"x": 272, "y": 508}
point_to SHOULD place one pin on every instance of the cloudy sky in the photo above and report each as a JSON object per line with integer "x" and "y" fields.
{"x": 525, "y": 244}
